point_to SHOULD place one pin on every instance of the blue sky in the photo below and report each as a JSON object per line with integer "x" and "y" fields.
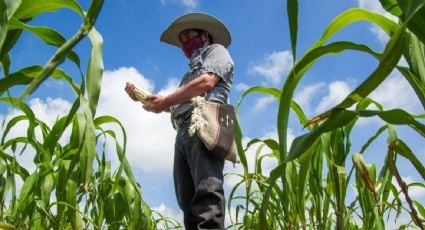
{"x": 261, "y": 51}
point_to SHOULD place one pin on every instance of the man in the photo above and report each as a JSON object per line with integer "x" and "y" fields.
{"x": 198, "y": 175}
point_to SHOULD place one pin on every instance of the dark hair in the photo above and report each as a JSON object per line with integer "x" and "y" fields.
{"x": 210, "y": 38}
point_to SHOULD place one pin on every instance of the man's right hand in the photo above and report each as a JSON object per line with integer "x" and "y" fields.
{"x": 129, "y": 88}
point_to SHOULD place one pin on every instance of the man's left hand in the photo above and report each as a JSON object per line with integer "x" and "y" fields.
{"x": 156, "y": 103}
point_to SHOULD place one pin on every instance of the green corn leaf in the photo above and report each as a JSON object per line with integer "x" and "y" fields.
{"x": 414, "y": 16}
{"x": 10, "y": 40}
{"x": 48, "y": 35}
{"x": 303, "y": 142}
{"x": 292, "y": 9}
{"x": 94, "y": 70}
{"x": 274, "y": 175}
{"x": 27, "y": 75}
{"x": 13, "y": 165}
{"x": 88, "y": 138}
{"x": 406, "y": 152}
{"x": 416, "y": 184}
{"x": 59, "y": 127}
{"x": 10, "y": 125}
{"x": 388, "y": 62}
{"x": 241, "y": 152}
{"x": 416, "y": 57}
{"x": 299, "y": 112}
{"x": 396, "y": 117}
{"x": 258, "y": 89}
{"x": 5, "y": 65}
{"x": 47, "y": 187}
{"x": 259, "y": 165}
{"x": 28, "y": 112}
{"x": 73, "y": 215}
{"x": 92, "y": 13}
{"x": 344, "y": 19}
{"x": 300, "y": 68}
{"x": 373, "y": 138}
{"x": 63, "y": 51}
{"x": 12, "y": 6}
{"x": 355, "y": 15}
{"x": 7, "y": 9}
{"x": 7, "y": 226}
{"x": 232, "y": 195}
{"x": 32, "y": 8}
{"x": 305, "y": 167}
{"x": 3, "y": 23}
{"x": 416, "y": 81}
{"x": 365, "y": 103}
{"x": 415, "y": 74}
{"x": 272, "y": 144}
{"x": 61, "y": 181}
{"x": 136, "y": 218}
{"x": 26, "y": 191}
{"x": 392, "y": 7}
{"x": 51, "y": 65}
{"x": 420, "y": 208}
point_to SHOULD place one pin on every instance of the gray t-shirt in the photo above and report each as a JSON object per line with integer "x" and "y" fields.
{"x": 211, "y": 59}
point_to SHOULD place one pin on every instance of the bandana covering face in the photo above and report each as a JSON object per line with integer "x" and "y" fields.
{"x": 191, "y": 45}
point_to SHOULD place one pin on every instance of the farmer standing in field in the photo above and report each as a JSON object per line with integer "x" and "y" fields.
{"x": 198, "y": 175}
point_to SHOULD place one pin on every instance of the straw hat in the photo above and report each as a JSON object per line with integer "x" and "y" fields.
{"x": 203, "y": 21}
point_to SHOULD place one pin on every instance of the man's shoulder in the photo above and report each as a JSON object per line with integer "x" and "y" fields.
{"x": 217, "y": 51}
{"x": 217, "y": 46}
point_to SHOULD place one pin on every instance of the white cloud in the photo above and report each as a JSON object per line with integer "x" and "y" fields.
{"x": 169, "y": 212}
{"x": 150, "y": 137}
{"x": 268, "y": 163}
{"x": 263, "y": 102}
{"x": 189, "y": 4}
{"x": 414, "y": 192}
{"x": 337, "y": 91}
{"x": 232, "y": 214}
{"x": 375, "y": 6}
{"x": 273, "y": 67}
{"x": 51, "y": 109}
{"x": 396, "y": 92}
{"x": 47, "y": 111}
{"x": 241, "y": 87}
{"x": 305, "y": 96}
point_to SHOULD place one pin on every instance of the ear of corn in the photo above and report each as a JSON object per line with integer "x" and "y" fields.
{"x": 141, "y": 94}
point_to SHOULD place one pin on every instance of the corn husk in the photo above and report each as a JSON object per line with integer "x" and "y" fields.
{"x": 141, "y": 94}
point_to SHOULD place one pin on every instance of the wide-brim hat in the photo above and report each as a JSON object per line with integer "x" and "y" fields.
{"x": 202, "y": 21}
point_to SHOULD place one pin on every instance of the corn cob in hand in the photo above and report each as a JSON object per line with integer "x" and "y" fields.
{"x": 141, "y": 94}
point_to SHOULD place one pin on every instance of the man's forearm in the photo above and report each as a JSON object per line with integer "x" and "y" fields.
{"x": 196, "y": 87}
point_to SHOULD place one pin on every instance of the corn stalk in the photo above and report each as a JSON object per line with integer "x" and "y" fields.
{"x": 73, "y": 185}
{"x": 308, "y": 188}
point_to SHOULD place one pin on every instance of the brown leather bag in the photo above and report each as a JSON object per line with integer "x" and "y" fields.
{"x": 214, "y": 123}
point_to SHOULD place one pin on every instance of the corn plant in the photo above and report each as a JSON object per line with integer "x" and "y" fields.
{"x": 73, "y": 185}
{"x": 308, "y": 188}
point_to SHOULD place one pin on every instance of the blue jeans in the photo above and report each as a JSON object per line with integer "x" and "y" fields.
{"x": 198, "y": 181}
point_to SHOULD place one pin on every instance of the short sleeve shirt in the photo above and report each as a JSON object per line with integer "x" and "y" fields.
{"x": 211, "y": 59}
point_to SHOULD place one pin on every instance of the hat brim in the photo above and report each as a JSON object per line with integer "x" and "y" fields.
{"x": 206, "y": 22}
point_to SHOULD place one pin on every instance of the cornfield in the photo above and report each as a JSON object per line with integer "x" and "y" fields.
{"x": 73, "y": 185}
{"x": 308, "y": 189}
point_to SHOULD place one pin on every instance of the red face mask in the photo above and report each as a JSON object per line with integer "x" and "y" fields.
{"x": 191, "y": 45}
